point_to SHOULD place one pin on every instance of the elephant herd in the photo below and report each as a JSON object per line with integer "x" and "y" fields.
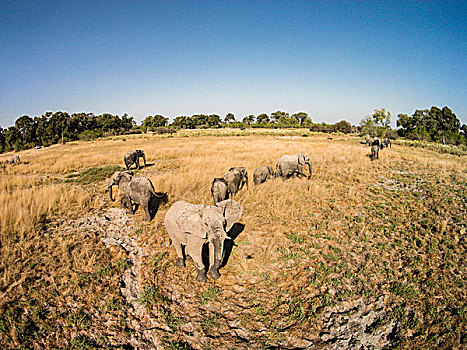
{"x": 191, "y": 226}
{"x": 376, "y": 145}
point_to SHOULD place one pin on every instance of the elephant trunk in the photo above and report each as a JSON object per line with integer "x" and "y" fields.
{"x": 110, "y": 193}
{"x": 144, "y": 160}
{"x": 246, "y": 177}
{"x": 309, "y": 168}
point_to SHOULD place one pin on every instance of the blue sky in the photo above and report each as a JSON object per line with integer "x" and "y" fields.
{"x": 332, "y": 59}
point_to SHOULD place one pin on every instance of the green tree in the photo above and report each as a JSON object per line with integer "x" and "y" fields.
{"x": 343, "y": 126}
{"x": 381, "y": 117}
{"x": 301, "y": 117}
{"x": 214, "y": 121}
{"x": 2, "y": 140}
{"x": 27, "y": 131}
{"x": 229, "y": 118}
{"x": 263, "y": 118}
{"x": 180, "y": 122}
{"x": 249, "y": 119}
{"x": 276, "y": 116}
{"x": 12, "y": 139}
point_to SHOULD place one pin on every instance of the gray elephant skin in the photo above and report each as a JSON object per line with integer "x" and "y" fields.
{"x": 219, "y": 190}
{"x": 138, "y": 189}
{"x": 132, "y": 157}
{"x": 386, "y": 143}
{"x": 367, "y": 139}
{"x": 261, "y": 174}
{"x": 374, "y": 152}
{"x": 191, "y": 226}
{"x": 234, "y": 180}
{"x": 289, "y": 165}
{"x": 244, "y": 173}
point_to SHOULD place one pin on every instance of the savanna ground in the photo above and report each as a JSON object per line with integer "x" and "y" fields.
{"x": 363, "y": 255}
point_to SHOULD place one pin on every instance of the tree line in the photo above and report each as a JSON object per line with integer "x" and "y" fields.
{"x": 435, "y": 124}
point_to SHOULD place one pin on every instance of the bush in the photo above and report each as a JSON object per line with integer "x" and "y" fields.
{"x": 133, "y": 131}
{"x": 163, "y": 130}
{"x": 88, "y": 135}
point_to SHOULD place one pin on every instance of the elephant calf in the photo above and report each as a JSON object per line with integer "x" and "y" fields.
{"x": 244, "y": 173}
{"x": 261, "y": 174}
{"x": 139, "y": 190}
{"x": 386, "y": 143}
{"x": 219, "y": 190}
{"x": 234, "y": 180}
{"x": 131, "y": 158}
{"x": 191, "y": 226}
{"x": 288, "y": 165}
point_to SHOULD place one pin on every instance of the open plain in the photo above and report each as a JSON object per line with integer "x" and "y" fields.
{"x": 363, "y": 255}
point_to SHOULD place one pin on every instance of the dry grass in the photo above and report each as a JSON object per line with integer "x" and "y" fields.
{"x": 393, "y": 227}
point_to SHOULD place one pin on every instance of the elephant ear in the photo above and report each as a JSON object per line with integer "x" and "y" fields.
{"x": 301, "y": 158}
{"x": 232, "y": 212}
{"x": 190, "y": 222}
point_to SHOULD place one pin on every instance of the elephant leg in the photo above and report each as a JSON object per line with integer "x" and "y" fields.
{"x": 146, "y": 210}
{"x": 178, "y": 249}
{"x": 194, "y": 249}
{"x": 126, "y": 201}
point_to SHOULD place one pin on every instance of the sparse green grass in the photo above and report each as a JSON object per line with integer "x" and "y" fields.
{"x": 208, "y": 295}
{"x": 94, "y": 174}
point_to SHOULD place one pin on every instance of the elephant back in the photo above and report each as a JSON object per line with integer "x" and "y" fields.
{"x": 142, "y": 184}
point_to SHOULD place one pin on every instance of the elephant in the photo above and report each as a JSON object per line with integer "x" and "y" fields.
{"x": 139, "y": 190}
{"x": 374, "y": 152}
{"x": 131, "y": 158}
{"x": 234, "y": 180}
{"x": 376, "y": 142}
{"x": 261, "y": 174}
{"x": 288, "y": 165}
{"x": 192, "y": 225}
{"x": 244, "y": 173}
{"x": 386, "y": 142}
{"x": 367, "y": 139}
{"x": 219, "y": 190}
{"x": 13, "y": 160}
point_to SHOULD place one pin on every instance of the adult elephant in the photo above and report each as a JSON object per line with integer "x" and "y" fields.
{"x": 261, "y": 174}
{"x": 219, "y": 190}
{"x": 244, "y": 173}
{"x": 288, "y": 165}
{"x": 367, "y": 139}
{"x": 13, "y": 159}
{"x": 192, "y": 225}
{"x": 374, "y": 152}
{"x": 131, "y": 158}
{"x": 139, "y": 190}
{"x": 234, "y": 180}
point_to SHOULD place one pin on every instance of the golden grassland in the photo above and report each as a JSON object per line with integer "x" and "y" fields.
{"x": 393, "y": 227}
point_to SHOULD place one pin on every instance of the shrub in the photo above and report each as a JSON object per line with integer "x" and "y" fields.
{"x": 163, "y": 130}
